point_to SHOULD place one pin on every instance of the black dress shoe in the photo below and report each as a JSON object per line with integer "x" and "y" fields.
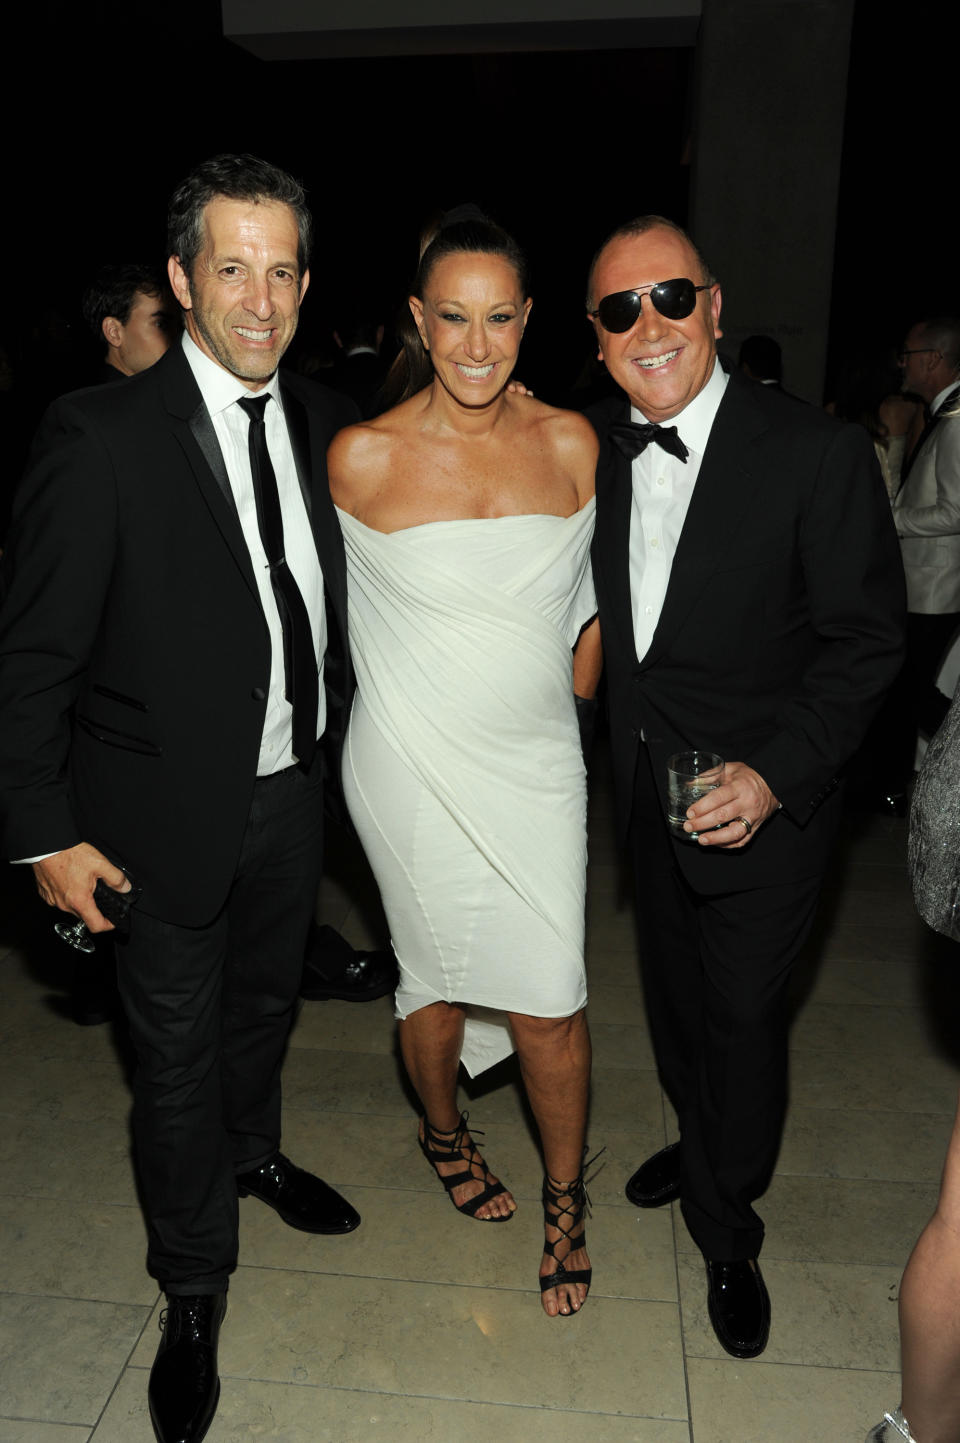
{"x": 656, "y": 1181}
{"x": 302, "y": 1200}
{"x": 739, "y": 1307}
{"x": 334, "y": 971}
{"x": 184, "y": 1388}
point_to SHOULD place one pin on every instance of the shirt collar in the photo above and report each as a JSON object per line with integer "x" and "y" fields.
{"x": 693, "y": 423}
{"x": 218, "y": 386}
{"x": 941, "y": 396}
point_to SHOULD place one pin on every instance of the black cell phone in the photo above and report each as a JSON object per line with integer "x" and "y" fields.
{"x": 114, "y": 905}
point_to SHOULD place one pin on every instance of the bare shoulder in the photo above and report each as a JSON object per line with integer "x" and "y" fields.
{"x": 357, "y": 459}
{"x": 573, "y": 445}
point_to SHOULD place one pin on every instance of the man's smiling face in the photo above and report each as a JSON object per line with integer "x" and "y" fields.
{"x": 660, "y": 363}
{"x": 242, "y": 298}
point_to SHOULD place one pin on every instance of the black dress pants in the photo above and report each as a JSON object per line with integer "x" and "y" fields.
{"x": 209, "y": 1010}
{"x": 715, "y": 972}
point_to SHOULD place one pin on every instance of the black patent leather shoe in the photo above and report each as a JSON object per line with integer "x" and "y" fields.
{"x": 334, "y": 971}
{"x": 302, "y": 1200}
{"x": 739, "y": 1306}
{"x": 184, "y": 1388}
{"x": 656, "y": 1181}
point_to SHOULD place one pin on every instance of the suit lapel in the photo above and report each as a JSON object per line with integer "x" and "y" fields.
{"x": 614, "y": 507}
{"x": 298, "y": 429}
{"x": 725, "y": 492}
{"x": 194, "y": 430}
{"x": 931, "y": 425}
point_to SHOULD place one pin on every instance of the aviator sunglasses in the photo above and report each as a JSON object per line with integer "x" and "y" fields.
{"x": 673, "y": 299}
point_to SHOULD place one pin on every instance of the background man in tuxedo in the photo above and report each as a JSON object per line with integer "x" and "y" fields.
{"x": 130, "y": 311}
{"x": 163, "y": 649}
{"x": 750, "y": 604}
{"x": 926, "y": 513}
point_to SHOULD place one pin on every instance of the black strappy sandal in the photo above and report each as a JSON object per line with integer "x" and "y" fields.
{"x": 440, "y": 1147}
{"x": 567, "y": 1218}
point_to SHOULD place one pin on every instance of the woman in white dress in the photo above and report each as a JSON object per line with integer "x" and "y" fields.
{"x": 467, "y": 514}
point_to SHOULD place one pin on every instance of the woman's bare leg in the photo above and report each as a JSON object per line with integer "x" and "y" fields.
{"x": 430, "y": 1042}
{"x": 930, "y": 1315}
{"x": 554, "y": 1054}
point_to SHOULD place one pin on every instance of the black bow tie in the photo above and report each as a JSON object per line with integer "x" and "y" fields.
{"x": 633, "y": 439}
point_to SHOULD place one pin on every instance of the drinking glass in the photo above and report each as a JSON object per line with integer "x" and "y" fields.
{"x": 690, "y": 775}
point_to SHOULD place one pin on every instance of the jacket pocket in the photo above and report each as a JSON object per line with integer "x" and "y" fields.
{"x": 113, "y": 737}
{"x": 119, "y": 696}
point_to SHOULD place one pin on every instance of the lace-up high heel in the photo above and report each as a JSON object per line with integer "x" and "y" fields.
{"x": 564, "y": 1204}
{"x": 458, "y": 1146}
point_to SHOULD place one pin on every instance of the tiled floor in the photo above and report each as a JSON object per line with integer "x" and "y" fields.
{"x": 425, "y": 1326}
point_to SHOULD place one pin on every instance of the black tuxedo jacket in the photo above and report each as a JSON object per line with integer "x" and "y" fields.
{"x": 134, "y": 653}
{"x": 781, "y": 628}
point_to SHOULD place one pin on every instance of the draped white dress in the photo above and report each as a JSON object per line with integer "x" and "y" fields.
{"x": 462, "y": 766}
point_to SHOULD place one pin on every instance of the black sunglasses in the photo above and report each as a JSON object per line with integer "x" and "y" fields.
{"x": 673, "y": 299}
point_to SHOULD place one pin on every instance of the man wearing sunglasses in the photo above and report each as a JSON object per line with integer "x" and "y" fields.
{"x": 751, "y": 604}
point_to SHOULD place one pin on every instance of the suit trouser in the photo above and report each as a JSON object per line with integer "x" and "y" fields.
{"x": 715, "y": 972}
{"x": 209, "y": 1010}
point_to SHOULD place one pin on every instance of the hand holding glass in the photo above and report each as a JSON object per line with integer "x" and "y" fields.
{"x": 690, "y": 775}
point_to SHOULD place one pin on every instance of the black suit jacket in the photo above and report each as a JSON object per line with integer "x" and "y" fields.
{"x": 134, "y": 653}
{"x": 781, "y": 628}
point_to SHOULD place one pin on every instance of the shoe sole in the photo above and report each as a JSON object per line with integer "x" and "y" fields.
{"x": 644, "y": 1200}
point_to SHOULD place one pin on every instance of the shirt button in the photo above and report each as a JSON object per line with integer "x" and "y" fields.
{"x": 661, "y": 481}
{"x": 654, "y": 542}
{"x": 648, "y": 611}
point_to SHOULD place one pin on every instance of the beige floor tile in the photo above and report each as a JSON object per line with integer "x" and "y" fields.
{"x": 833, "y": 1142}
{"x": 16, "y": 1430}
{"x": 65, "y": 1248}
{"x": 760, "y": 1402}
{"x": 332, "y": 1081}
{"x": 85, "y": 1161}
{"x": 856, "y": 1031}
{"x": 352, "y": 1151}
{"x": 623, "y": 1045}
{"x": 346, "y": 1026}
{"x": 823, "y": 1315}
{"x": 257, "y": 1412}
{"x": 840, "y": 1221}
{"x": 610, "y": 926}
{"x": 616, "y": 1003}
{"x": 899, "y": 941}
{"x": 497, "y": 1345}
{"x": 67, "y": 1089}
{"x": 918, "y": 1082}
{"x": 850, "y": 978}
{"x": 612, "y": 966}
{"x": 421, "y": 1237}
{"x": 60, "y": 1357}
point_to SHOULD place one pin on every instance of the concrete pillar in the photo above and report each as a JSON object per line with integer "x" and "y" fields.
{"x": 768, "y": 132}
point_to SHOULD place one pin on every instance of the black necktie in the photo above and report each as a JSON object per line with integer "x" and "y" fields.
{"x": 632, "y": 439}
{"x": 299, "y": 652}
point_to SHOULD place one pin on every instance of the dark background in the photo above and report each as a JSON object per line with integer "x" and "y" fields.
{"x": 113, "y": 102}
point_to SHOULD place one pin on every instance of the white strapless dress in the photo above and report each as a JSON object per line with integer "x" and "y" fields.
{"x": 462, "y": 767}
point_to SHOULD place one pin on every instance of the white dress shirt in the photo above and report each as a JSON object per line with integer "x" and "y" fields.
{"x": 662, "y": 489}
{"x": 221, "y": 391}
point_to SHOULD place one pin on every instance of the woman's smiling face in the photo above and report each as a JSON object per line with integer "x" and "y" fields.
{"x": 471, "y": 320}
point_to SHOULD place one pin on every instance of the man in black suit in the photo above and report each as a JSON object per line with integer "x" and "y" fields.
{"x": 750, "y": 603}
{"x": 164, "y": 646}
